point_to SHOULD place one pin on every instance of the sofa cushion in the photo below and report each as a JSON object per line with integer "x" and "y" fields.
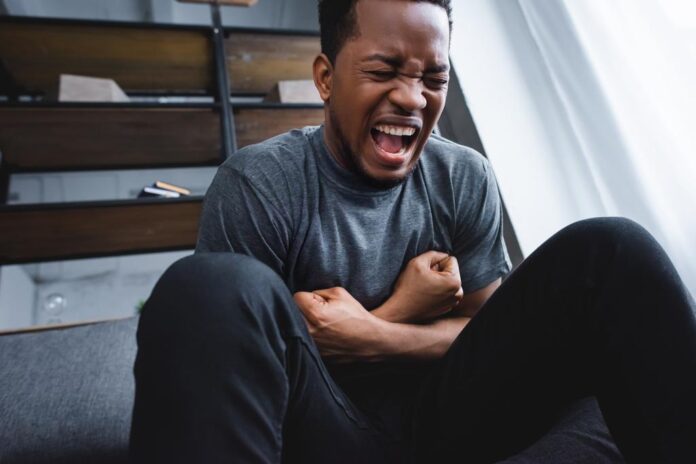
{"x": 67, "y": 395}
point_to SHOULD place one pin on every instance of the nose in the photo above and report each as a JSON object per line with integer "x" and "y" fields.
{"x": 408, "y": 94}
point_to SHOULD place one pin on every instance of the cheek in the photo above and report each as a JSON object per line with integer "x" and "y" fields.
{"x": 431, "y": 116}
{"x": 436, "y": 103}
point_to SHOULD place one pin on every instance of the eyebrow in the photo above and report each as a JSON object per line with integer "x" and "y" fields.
{"x": 396, "y": 62}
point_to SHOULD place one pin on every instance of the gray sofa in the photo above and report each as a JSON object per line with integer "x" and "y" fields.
{"x": 66, "y": 394}
{"x": 66, "y": 397}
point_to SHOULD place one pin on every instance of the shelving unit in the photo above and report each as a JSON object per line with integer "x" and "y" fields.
{"x": 56, "y": 231}
{"x": 153, "y": 62}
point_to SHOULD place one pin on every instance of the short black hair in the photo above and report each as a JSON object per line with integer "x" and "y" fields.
{"x": 338, "y": 23}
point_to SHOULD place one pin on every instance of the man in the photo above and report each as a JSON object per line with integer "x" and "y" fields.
{"x": 361, "y": 317}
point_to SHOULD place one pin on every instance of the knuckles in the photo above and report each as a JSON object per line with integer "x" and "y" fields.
{"x": 338, "y": 293}
{"x": 454, "y": 286}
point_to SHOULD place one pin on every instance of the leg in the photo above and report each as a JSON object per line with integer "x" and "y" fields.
{"x": 598, "y": 309}
{"x": 226, "y": 371}
{"x": 578, "y": 436}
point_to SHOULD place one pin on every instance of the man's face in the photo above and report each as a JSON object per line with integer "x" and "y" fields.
{"x": 388, "y": 88}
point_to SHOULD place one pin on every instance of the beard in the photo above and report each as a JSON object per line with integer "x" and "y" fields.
{"x": 355, "y": 164}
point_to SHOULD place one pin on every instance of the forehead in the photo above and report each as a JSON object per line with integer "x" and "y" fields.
{"x": 402, "y": 27}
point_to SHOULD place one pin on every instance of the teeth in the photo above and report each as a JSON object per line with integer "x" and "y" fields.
{"x": 396, "y": 130}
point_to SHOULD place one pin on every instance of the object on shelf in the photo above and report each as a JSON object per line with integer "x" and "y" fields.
{"x": 171, "y": 187}
{"x": 155, "y": 192}
{"x": 89, "y": 89}
{"x": 294, "y": 91}
{"x": 163, "y": 190}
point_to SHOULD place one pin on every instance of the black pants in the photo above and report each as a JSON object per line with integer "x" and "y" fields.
{"x": 227, "y": 372}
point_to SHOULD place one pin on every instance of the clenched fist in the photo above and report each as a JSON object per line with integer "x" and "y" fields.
{"x": 340, "y": 326}
{"x": 428, "y": 287}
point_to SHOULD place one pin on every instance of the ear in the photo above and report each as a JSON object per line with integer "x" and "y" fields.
{"x": 322, "y": 71}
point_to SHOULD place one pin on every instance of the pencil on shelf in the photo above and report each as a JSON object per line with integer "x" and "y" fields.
{"x": 163, "y": 190}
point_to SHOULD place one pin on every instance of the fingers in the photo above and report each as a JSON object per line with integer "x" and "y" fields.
{"x": 432, "y": 258}
{"x": 459, "y": 295}
{"x": 333, "y": 293}
{"x": 439, "y": 261}
{"x": 449, "y": 265}
{"x": 306, "y": 300}
{"x": 449, "y": 269}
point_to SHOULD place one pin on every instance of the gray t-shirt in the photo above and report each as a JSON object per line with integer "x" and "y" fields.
{"x": 287, "y": 202}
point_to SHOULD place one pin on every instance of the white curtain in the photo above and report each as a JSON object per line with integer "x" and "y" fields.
{"x": 625, "y": 75}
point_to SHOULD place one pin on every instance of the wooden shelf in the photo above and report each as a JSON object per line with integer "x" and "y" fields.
{"x": 72, "y": 138}
{"x": 147, "y": 58}
{"x": 53, "y": 231}
{"x": 35, "y": 53}
{"x": 255, "y": 123}
{"x": 80, "y": 137}
{"x": 255, "y": 61}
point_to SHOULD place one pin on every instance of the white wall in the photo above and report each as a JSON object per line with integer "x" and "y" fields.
{"x": 17, "y": 295}
{"x": 507, "y": 105}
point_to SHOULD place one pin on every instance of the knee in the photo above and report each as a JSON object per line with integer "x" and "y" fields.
{"x": 614, "y": 231}
{"x": 618, "y": 240}
{"x": 204, "y": 271}
{"x": 209, "y": 288}
{"x": 612, "y": 228}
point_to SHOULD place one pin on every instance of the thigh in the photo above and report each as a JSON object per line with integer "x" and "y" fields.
{"x": 505, "y": 378}
{"x": 498, "y": 390}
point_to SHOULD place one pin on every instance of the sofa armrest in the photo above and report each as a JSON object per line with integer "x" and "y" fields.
{"x": 66, "y": 394}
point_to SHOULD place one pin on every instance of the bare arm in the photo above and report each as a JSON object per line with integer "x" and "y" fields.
{"x": 410, "y": 325}
{"x": 432, "y": 340}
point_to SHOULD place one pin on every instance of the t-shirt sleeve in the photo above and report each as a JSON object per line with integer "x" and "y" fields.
{"x": 478, "y": 243}
{"x": 238, "y": 217}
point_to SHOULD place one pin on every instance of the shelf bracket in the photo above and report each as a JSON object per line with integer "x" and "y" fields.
{"x": 229, "y": 138}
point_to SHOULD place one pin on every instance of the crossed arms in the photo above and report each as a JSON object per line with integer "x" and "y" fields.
{"x": 420, "y": 320}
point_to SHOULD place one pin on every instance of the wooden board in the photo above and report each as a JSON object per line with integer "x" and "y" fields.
{"x": 49, "y": 232}
{"x": 99, "y": 138}
{"x": 257, "y": 124}
{"x": 138, "y": 59}
{"x": 53, "y": 138}
{"x": 143, "y": 59}
{"x": 257, "y": 61}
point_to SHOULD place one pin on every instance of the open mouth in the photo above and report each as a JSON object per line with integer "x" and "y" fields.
{"x": 393, "y": 141}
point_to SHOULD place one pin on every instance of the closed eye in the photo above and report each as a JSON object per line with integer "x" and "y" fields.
{"x": 436, "y": 82}
{"x": 382, "y": 75}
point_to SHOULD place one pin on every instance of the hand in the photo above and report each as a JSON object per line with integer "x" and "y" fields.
{"x": 428, "y": 287}
{"x": 340, "y": 326}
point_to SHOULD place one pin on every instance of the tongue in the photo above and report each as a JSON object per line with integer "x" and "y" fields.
{"x": 387, "y": 142}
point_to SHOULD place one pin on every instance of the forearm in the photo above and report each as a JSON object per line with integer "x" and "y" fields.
{"x": 400, "y": 337}
{"x": 414, "y": 341}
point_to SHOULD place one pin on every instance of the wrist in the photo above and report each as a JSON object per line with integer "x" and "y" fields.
{"x": 419, "y": 341}
{"x": 390, "y": 311}
{"x": 376, "y": 342}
